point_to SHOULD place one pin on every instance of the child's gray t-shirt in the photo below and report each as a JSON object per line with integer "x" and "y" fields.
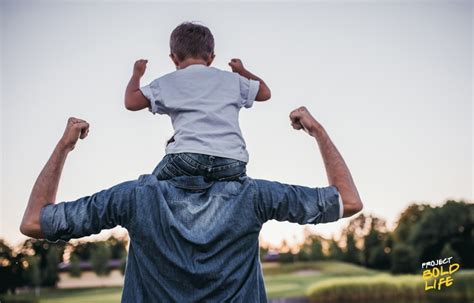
{"x": 203, "y": 103}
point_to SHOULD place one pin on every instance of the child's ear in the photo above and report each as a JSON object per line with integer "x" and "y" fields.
{"x": 211, "y": 58}
{"x": 175, "y": 60}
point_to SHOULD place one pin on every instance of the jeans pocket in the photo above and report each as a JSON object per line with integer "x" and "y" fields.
{"x": 169, "y": 168}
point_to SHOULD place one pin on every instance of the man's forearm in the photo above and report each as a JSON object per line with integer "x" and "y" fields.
{"x": 337, "y": 172}
{"x": 44, "y": 191}
{"x": 46, "y": 185}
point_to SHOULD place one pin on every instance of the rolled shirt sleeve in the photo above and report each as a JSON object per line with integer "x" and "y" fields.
{"x": 297, "y": 204}
{"x": 153, "y": 93}
{"x": 89, "y": 215}
{"x": 248, "y": 91}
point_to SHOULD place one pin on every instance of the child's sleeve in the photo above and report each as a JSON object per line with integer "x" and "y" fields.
{"x": 152, "y": 92}
{"x": 248, "y": 91}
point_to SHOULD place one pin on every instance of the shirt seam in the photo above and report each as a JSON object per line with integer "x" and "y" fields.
{"x": 255, "y": 202}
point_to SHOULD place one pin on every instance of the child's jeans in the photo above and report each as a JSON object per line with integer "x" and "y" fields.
{"x": 191, "y": 164}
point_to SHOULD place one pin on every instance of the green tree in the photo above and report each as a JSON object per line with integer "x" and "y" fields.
{"x": 335, "y": 251}
{"x": 100, "y": 259}
{"x": 84, "y": 250}
{"x": 49, "y": 270}
{"x": 11, "y": 269}
{"x": 403, "y": 259}
{"x": 316, "y": 249}
{"x": 49, "y": 256}
{"x": 32, "y": 273}
{"x": 117, "y": 247}
{"x": 75, "y": 266}
{"x": 453, "y": 224}
{"x": 375, "y": 252}
{"x": 353, "y": 236}
{"x": 379, "y": 258}
{"x": 312, "y": 249}
{"x": 408, "y": 219}
{"x": 352, "y": 253}
{"x": 286, "y": 257}
{"x": 448, "y": 251}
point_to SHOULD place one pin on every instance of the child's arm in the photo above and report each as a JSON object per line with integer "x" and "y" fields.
{"x": 264, "y": 92}
{"x": 134, "y": 98}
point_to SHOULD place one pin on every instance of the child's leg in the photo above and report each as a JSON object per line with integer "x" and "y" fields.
{"x": 224, "y": 169}
{"x": 172, "y": 166}
{"x": 191, "y": 164}
{"x": 215, "y": 168}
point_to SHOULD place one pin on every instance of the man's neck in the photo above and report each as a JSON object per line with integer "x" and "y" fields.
{"x": 191, "y": 61}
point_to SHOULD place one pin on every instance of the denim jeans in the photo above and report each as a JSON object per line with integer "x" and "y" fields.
{"x": 190, "y": 164}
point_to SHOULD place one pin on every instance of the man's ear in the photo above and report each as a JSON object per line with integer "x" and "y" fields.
{"x": 175, "y": 60}
{"x": 211, "y": 58}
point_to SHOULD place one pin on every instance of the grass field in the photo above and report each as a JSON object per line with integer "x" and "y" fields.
{"x": 91, "y": 295}
{"x": 281, "y": 281}
{"x": 383, "y": 287}
{"x": 293, "y": 280}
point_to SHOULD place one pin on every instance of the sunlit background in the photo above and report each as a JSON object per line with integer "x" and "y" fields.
{"x": 390, "y": 81}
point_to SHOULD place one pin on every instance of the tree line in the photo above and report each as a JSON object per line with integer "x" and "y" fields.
{"x": 35, "y": 263}
{"x": 422, "y": 233}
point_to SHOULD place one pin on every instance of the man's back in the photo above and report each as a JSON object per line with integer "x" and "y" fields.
{"x": 198, "y": 243}
{"x": 191, "y": 240}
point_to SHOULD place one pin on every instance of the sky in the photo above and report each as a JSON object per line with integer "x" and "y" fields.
{"x": 390, "y": 81}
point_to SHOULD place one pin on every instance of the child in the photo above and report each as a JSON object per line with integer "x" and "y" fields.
{"x": 203, "y": 103}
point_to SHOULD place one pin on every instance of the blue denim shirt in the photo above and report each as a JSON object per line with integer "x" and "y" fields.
{"x": 191, "y": 240}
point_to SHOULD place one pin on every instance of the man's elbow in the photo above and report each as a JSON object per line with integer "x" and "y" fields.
{"x": 353, "y": 207}
{"x": 30, "y": 229}
{"x": 130, "y": 105}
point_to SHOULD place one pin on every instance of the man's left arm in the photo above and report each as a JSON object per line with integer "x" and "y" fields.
{"x": 46, "y": 185}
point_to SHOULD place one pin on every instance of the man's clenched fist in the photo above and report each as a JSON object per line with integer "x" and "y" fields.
{"x": 301, "y": 118}
{"x": 75, "y": 129}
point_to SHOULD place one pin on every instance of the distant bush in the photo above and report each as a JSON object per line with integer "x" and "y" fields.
{"x": 403, "y": 259}
{"x": 382, "y": 287}
{"x": 75, "y": 269}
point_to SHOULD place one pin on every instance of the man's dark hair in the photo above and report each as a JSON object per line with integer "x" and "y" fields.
{"x": 192, "y": 40}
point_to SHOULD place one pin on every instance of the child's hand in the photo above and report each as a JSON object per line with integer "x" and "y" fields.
{"x": 236, "y": 65}
{"x": 139, "y": 67}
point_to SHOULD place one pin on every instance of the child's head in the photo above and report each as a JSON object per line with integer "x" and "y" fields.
{"x": 191, "y": 40}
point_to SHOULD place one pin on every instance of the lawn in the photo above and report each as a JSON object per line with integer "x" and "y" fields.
{"x": 293, "y": 280}
{"x": 90, "y": 295}
{"x": 335, "y": 281}
{"x": 286, "y": 280}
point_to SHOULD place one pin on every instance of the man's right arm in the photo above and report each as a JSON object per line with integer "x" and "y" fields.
{"x": 336, "y": 169}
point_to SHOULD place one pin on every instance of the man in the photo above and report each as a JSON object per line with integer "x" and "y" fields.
{"x": 190, "y": 240}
